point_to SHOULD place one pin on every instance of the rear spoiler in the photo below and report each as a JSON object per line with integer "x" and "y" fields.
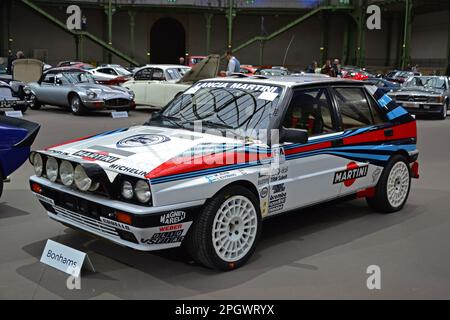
{"x": 31, "y": 127}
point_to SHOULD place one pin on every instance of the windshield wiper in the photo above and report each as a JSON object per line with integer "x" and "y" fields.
{"x": 210, "y": 123}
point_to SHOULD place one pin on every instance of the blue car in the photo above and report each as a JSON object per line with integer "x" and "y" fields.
{"x": 16, "y": 138}
{"x": 384, "y": 85}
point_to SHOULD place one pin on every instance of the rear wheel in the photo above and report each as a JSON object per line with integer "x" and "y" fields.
{"x": 34, "y": 103}
{"x": 225, "y": 235}
{"x": 393, "y": 188}
{"x": 76, "y": 105}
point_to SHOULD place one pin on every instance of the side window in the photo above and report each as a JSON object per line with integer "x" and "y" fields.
{"x": 144, "y": 74}
{"x": 158, "y": 74}
{"x": 311, "y": 110}
{"x": 354, "y": 108}
{"x": 49, "y": 78}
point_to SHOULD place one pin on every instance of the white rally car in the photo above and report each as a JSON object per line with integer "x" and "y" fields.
{"x": 224, "y": 155}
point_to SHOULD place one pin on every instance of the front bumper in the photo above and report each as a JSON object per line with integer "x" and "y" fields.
{"x": 150, "y": 227}
{"x": 111, "y": 104}
{"x": 421, "y": 107}
{"x": 13, "y": 103}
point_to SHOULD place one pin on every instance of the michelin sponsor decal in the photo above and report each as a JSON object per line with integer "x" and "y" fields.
{"x": 125, "y": 169}
{"x": 142, "y": 140}
{"x": 351, "y": 174}
{"x": 173, "y": 217}
{"x": 95, "y": 156}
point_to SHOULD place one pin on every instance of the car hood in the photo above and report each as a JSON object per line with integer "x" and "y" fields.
{"x": 137, "y": 151}
{"x": 419, "y": 91}
{"x": 205, "y": 69}
{"x": 100, "y": 88}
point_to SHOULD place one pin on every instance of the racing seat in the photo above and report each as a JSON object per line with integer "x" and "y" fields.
{"x": 304, "y": 113}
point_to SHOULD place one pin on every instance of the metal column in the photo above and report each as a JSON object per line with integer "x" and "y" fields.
{"x": 208, "y": 17}
{"x": 79, "y": 47}
{"x": 110, "y": 10}
{"x": 406, "y": 45}
{"x": 132, "y": 15}
{"x": 231, "y": 14}
{"x": 324, "y": 38}
{"x": 361, "y": 49}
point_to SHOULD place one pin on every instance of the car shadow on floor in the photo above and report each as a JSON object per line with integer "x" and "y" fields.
{"x": 93, "y": 113}
{"x": 286, "y": 240}
{"x": 7, "y": 211}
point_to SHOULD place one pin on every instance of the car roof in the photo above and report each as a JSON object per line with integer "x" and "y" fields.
{"x": 64, "y": 69}
{"x": 286, "y": 81}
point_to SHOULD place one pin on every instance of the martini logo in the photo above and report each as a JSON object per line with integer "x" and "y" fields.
{"x": 349, "y": 176}
{"x": 142, "y": 140}
{"x": 96, "y": 156}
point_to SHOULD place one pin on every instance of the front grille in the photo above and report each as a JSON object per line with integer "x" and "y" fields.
{"x": 119, "y": 102}
{"x": 89, "y": 222}
{"x": 412, "y": 98}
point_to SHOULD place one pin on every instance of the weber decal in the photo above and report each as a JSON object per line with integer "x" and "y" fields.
{"x": 173, "y": 217}
{"x": 351, "y": 174}
{"x": 142, "y": 140}
{"x": 96, "y": 156}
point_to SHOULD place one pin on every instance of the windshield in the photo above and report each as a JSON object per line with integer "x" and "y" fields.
{"x": 427, "y": 82}
{"x": 79, "y": 77}
{"x": 122, "y": 71}
{"x": 243, "y": 108}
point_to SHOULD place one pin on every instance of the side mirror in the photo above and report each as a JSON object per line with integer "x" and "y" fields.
{"x": 293, "y": 135}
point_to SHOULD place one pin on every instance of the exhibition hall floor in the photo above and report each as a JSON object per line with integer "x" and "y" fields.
{"x": 318, "y": 253}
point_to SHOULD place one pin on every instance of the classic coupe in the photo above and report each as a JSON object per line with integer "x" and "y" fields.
{"x": 156, "y": 85}
{"x": 76, "y": 90}
{"x": 226, "y": 154}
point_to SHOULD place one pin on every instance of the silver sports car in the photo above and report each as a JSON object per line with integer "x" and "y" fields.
{"x": 76, "y": 89}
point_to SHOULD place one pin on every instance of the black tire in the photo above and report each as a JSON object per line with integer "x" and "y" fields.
{"x": 443, "y": 114}
{"x": 76, "y": 105}
{"x": 35, "y": 104}
{"x": 22, "y": 108}
{"x": 199, "y": 242}
{"x": 380, "y": 202}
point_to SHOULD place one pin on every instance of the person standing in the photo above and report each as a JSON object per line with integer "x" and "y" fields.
{"x": 83, "y": 23}
{"x": 328, "y": 69}
{"x": 234, "y": 66}
{"x": 181, "y": 60}
{"x": 312, "y": 67}
{"x": 337, "y": 68}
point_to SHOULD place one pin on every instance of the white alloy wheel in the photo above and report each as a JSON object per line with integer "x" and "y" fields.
{"x": 235, "y": 228}
{"x": 398, "y": 184}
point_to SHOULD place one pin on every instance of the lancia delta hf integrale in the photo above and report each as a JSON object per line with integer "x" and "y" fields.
{"x": 226, "y": 154}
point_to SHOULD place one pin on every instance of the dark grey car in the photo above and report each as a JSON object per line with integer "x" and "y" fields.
{"x": 424, "y": 95}
{"x": 76, "y": 89}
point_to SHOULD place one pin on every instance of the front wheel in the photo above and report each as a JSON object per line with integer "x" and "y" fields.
{"x": 76, "y": 105}
{"x": 393, "y": 188}
{"x": 225, "y": 234}
{"x": 443, "y": 114}
{"x": 34, "y": 103}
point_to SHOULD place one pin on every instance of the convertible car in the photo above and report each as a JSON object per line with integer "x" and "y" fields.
{"x": 16, "y": 138}
{"x": 226, "y": 154}
{"x": 425, "y": 95}
{"x": 76, "y": 89}
{"x": 156, "y": 86}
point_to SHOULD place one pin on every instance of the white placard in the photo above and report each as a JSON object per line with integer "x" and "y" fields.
{"x": 119, "y": 114}
{"x": 66, "y": 259}
{"x": 270, "y": 96}
{"x": 14, "y": 114}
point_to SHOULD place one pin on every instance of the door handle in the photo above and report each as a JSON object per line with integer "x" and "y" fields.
{"x": 389, "y": 132}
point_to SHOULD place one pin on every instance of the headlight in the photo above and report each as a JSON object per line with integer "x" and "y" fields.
{"x": 436, "y": 99}
{"x": 51, "y": 169}
{"x": 127, "y": 190}
{"x": 91, "y": 94}
{"x": 82, "y": 181}
{"x": 38, "y": 164}
{"x": 142, "y": 191}
{"x": 131, "y": 94}
{"x": 66, "y": 173}
{"x": 26, "y": 90}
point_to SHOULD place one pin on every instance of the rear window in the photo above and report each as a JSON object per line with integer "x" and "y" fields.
{"x": 355, "y": 109}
